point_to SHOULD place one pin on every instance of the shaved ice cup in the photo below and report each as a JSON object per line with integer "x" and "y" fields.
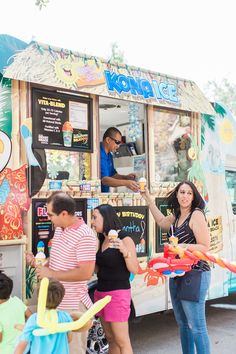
{"x": 67, "y": 138}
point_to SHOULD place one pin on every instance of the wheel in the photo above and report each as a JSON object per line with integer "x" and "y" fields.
{"x": 97, "y": 342}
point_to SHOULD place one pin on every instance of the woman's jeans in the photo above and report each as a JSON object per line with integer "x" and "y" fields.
{"x": 191, "y": 318}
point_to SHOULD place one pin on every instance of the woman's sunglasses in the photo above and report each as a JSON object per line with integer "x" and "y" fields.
{"x": 118, "y": 142}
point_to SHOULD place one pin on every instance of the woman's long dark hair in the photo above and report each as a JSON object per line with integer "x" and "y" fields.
{"x": 173, "y": 203}
{"x": 110, "y": 220}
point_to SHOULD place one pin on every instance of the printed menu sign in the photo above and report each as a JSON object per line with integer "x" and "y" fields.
{"x": 61, "y": 121}
{"x": 42, "y": 228}
{"x": 135, "y": 222}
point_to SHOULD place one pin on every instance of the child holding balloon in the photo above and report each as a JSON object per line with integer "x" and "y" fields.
{"x": 54, "y": 343}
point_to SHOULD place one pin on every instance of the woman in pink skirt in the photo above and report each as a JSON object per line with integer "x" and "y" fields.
{"x": 114, "y": 261}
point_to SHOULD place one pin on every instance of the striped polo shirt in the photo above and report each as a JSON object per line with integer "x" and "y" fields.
{"x": 70, "y": 247}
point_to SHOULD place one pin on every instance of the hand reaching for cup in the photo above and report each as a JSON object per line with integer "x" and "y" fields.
{"x": 133, "y": 185}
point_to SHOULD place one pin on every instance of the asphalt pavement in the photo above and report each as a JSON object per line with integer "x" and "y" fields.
{"x": 158, "y": 333}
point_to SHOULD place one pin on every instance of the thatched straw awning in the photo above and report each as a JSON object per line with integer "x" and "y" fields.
{"x": 60, "y": 68}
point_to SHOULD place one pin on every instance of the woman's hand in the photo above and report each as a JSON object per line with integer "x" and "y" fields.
{"x": 146, "y": 195}
{"x": 118, "y": 244}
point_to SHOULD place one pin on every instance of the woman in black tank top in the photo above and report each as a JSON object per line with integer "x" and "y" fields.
{"x": 114, "y": 262}
{"x": 189, "y": 225}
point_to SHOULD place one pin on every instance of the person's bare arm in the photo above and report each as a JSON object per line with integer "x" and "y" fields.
{"x": 200, "y": 229}
{"x": 163, "y": 221}
{"x": 127, "y": 248}
{"x": 131, "y": 261}
{"x": 115, "y": 182}
{"x": 21, "y": 347}
{"x": 0, "y": 336}
{"x": 81, "y": 273}
{"x": 28, "y": 313}
{"x": 130, "y": 176}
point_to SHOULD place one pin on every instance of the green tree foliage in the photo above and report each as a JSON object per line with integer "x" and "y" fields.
{"x": 41, "y": 3}
{"x": 117, "y": 56}
{"x": 224, "y": 92}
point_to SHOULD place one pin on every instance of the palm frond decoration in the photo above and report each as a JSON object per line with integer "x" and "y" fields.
{"x": 219, "y": 109}
{"x": 31, "y": 281}
{"x": 195, "y": 172}
{"x": 5, "y": 105}
{"x": 209, "y": 120}
{"x": 202, "y": 135}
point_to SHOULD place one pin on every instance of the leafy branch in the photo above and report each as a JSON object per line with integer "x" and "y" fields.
{"x": 41, "y": 3}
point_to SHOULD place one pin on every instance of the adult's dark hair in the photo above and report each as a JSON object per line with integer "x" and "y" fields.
{"x": 110, "y": 219}
{"x": 197, "y": 202}
{"x": 6, "y": 286}
{"x": 62, "y": 201}
{"x": 110, "y": 132}
{"x": 56, "y": 292}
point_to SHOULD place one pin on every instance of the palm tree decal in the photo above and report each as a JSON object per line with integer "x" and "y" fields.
{"x": 5, "y": 105}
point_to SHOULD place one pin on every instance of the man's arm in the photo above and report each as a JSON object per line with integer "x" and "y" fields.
{"x": 130, "y": 176}
{"x": 81, "y": 273}
{"x": 0, "y": 337}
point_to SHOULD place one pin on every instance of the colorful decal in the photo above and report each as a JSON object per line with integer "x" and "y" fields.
{"x": 139, "y": 86}
{"x": 75, "y": 73}
{"x": 226, "y": 131}
{"x": 13, "y": 201}
{"x": 66, "y": 71}
{"x": 26, "y": 133}
{"x": 5, "y": 150}
{"x": 9, "y": 46}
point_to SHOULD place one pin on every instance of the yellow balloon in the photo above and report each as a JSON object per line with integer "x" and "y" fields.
{"x": 48, "y": 319}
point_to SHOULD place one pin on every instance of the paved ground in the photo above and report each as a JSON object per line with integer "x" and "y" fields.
{"x": 157, "y": 333}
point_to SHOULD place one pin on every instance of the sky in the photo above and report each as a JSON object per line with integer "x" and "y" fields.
{"x": 191, "y": 39}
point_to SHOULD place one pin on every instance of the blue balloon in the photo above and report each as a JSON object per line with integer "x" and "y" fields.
{"x": 131, "y": 277}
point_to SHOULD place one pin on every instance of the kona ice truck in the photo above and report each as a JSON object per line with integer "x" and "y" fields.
{"x": 55, "y": 105}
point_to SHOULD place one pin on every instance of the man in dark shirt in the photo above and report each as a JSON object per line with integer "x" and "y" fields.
{"x": 109, "y": 176}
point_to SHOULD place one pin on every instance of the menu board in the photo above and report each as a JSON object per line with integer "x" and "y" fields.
{"x": 61, "y": 121}
{"x": 161, "y": 235}
{"x": 134, "y": 221}
{"x": 42, "y": 228}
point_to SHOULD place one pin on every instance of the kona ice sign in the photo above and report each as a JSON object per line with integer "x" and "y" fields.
{"x": 138, "y": 86}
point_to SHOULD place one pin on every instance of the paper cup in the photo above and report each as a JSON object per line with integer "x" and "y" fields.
{"x": 142, "y": 184}
{"x": 67, "y": 138}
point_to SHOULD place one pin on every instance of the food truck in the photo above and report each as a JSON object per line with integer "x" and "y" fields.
{"x": 55, "y": 106}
